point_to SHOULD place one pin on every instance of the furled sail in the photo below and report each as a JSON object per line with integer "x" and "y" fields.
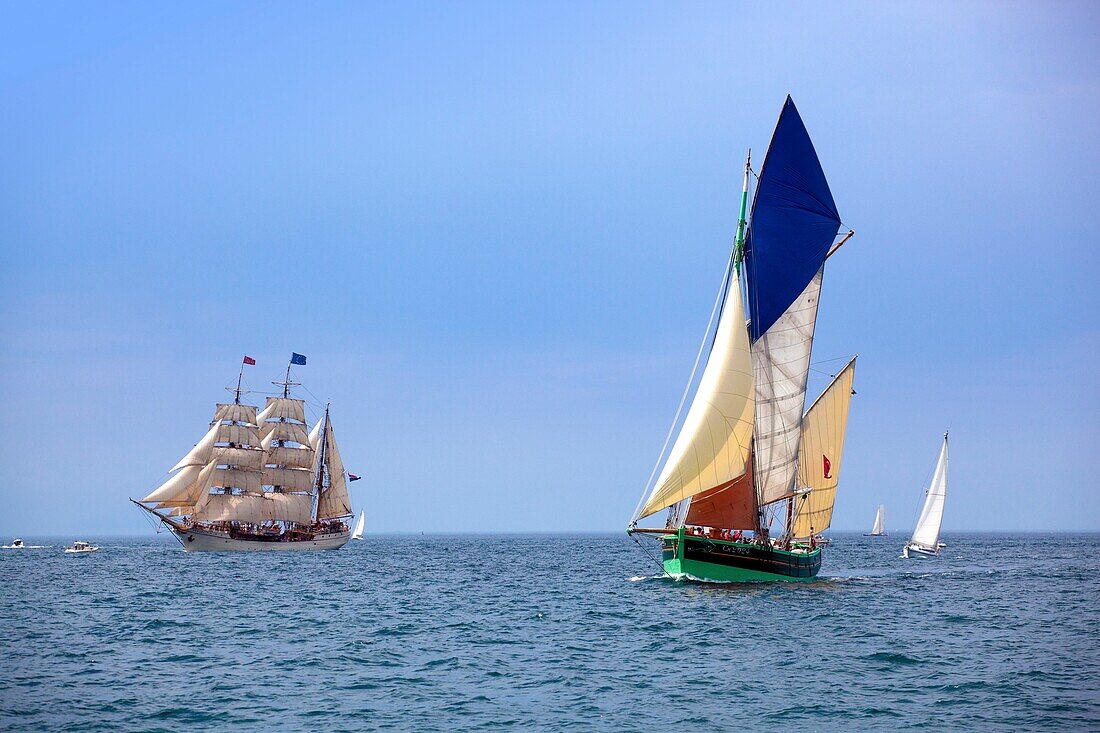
{"x": 927, "y": 532}
{"x": 821, "y": 450}
{"x": 712, "y": 447}
{"x": 880, "y": 521}
{"x": 334, "y": 501}
{"x": 793, "y": 224}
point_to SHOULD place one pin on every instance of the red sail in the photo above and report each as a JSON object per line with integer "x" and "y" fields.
{"x": 731, "y": 505}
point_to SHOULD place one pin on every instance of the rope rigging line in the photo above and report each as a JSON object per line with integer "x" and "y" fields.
{"x": 659, "y": 564}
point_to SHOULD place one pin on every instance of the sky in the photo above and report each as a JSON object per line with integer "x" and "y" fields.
{"x": 497, "y": 230}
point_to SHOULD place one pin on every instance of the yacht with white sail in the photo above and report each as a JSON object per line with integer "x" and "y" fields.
{"x": 357, "y": 533}
{"x": 878, "y": 529}
{"x": 926, "y": 534}
{"x": 258, "y": 481}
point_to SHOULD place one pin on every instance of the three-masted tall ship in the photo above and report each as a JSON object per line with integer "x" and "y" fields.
{"x": 258, "y": 481}
{"x": 747, "y": 454}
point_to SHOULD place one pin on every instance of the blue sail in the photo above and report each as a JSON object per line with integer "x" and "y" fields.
{"x": 794, "y": 222}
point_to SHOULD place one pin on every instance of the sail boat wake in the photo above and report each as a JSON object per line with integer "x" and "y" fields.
{"x": 746, "y": 453}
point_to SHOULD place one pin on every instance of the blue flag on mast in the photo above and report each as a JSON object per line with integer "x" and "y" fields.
{"x": 296, "y": 358}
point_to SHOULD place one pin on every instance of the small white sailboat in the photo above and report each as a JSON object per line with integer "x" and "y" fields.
{"x": 80, "y": 547}
{"x": 358, "y": 533}
{"x": 926, "y": 534}
{"x": 879, "y": 527}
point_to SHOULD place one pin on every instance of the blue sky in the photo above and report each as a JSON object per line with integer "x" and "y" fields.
{"x": 497, "y": 231}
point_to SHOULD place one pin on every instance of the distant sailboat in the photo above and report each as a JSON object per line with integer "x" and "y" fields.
{"x": 747, "y": 454}
{"x": 879, "y": 528}
{"x": 358, "y": 533}
{"x": 926, "y": 534}
{"x": 217, "y": 500}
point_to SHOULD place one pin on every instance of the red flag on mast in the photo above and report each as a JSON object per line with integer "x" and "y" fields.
{"x": 250, "y": 361}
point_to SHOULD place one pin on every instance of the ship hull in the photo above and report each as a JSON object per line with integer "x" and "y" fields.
{"x": 197, "y": 540}
{"x": 721, "y": 561}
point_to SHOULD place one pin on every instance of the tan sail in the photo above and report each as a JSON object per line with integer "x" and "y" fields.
{"x": 200, "y": 454}
{"x": 237, "y": 434}
{"x": 235, "y": 412}
{"x": 287, "y": 432}
{"x": 281, "y": 408}
{"x": 256, "y": 508}
{"x": 713, "y": 445}
{"x": 249, "y": 458}
{"x": 821, "y": 450}
{"x": 179, "y": 485}
{"x": 334, "y": 501}
{"x": 288, "y": 457}
{"x": 289, "y": 479}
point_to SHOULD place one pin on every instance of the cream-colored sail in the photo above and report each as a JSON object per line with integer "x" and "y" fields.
{"x": 286, "y": 431}
{"x": 235, "y": 412}
{"x": 288, "y": 457}
{"x": 780, "y": 365}
{"x": 249, "y": 458}
{"x": 289, "y": 479}
{"x": 315, "y": 434}
{"x": 281, "y": 408}
{"x": 237, "y": 434}
{"x": 334, "y": 501}
{"x": 256, "y": 508}
{"x": 236, "y": 479}
{"x": 714, "y": 442}
{"x": 926, "y": 534}
{"x": 821, "y": 450}
{"x": 200, "y": 454}
{"x": 175, "y": 487}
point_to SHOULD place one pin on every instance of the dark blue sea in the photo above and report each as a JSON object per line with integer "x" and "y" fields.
{"x": 551, "y": 632}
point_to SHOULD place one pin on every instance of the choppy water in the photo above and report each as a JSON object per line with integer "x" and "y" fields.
{"x": 550, "y": 632}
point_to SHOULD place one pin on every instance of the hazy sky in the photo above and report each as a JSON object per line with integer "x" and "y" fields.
{"x": 497, "y": 231}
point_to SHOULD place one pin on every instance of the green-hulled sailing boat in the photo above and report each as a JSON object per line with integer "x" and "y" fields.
{"x": 747, "y": 454}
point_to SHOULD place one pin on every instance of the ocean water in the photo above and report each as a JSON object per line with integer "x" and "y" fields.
{"x": 549, "y": 632}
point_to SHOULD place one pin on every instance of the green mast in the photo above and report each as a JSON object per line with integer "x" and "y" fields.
{"x": 739, "y": 249}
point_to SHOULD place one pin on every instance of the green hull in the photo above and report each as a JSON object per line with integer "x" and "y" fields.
{"x": 722, "y": 561}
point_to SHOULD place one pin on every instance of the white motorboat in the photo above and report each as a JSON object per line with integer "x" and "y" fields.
{"x": 79, "y": 547}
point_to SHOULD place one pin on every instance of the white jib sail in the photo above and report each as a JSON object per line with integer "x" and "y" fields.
{"x": 927, "y": 532}
{"x": 714, "y": 442}
{"x": 780, "y": 365}
{"x": 358, "y": 533}
{"x": 880, "y": 520}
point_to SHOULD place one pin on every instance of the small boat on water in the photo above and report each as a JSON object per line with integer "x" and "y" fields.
{"x": 878, "y": 529}
{"x": 258, "y": 482}
{"x": 80, "y": 547}
{"x": 18, "y": 544}
{"x": 746, "y": 455}
{"x": 357, "y": 533}
{"x": 926, "y": 534}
